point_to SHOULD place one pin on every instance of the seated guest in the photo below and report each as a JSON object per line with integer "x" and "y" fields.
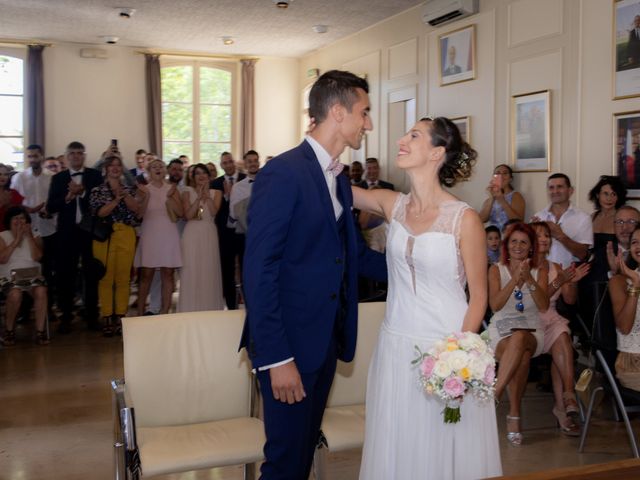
{"x": 504, "y": 203}
{"x": 372, "y": 177}
{"x": 8, "y": 196}
{"x": 159, "y": 245}
{"x": 201, "y": 276}
{"x": 119, "y": 203}
{"x": 493, "y": 243}
{"x": 624, "y": 289}
{"x": 557, "y": 334}
{"x": 21, "y": 248}
{"x": 517, "y": 293}
{"x": 607, "y": 196}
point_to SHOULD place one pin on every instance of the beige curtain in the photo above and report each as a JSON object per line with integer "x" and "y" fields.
{"x": 154, "y": 103}
{"x": 35, "y": 96}
{"x": 248, "y": 109}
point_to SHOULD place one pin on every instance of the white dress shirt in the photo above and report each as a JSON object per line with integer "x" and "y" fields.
{"x": 575, "y": 224}
{"x": 35, "y": 190}
{"x": 241, "y": 191}
{"x": 78, "y": 179}
{"x": 325, "y": 160}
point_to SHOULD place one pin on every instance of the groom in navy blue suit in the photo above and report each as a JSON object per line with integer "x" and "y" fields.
{"x": 300, "y": 274}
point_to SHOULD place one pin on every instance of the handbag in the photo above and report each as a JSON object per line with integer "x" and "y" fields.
{"x": 100, "y": 228}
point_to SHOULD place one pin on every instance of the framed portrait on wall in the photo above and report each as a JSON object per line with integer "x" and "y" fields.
{"x": 464, "y": 125}
{"x": 626, "y": 48}
{"x": 626, "y": 150}
{"x": 531, "y": 132}
{"x": 457, "y": 55}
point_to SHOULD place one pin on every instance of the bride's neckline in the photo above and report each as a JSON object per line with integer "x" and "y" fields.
{"x": 405, "y": 215}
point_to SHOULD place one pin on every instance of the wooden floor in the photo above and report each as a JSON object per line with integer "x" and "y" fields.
{"x": 55, "y": 419}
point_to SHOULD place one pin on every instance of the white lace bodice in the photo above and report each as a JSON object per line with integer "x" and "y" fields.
{"x": 426, "y": 275}
{"x": 630, "y": 342}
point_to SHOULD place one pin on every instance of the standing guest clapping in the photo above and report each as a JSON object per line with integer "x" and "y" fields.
{"x": 159, "y": 245}
{"x": 121, "y": 204}
{"x": 504, "y": 203}
{"x": 200, "y": 277}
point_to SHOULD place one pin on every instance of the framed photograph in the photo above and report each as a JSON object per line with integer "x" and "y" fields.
{"x": 531, "y": 132}
{"x": 464, "y": 125}
{"x": 458, "y": 55}
{"x": 626, "y": 48}
{"x": 626, "y": 150}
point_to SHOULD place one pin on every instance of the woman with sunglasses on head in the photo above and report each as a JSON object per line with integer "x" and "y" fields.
{"x": 517, "y": 293}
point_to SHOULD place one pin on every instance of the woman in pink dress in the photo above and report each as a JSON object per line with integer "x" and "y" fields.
{"x": 159, "y": 245}
{"x": 557, "y": 341}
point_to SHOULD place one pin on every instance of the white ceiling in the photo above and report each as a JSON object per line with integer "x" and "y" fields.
{"x": 257, "y": 26}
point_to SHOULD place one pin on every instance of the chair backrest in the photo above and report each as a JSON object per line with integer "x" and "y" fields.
{"x": 185, "y": 368}
{"x": 350, "y": 383}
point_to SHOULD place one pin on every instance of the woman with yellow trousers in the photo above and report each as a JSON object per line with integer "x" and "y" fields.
{"x": 120, "y": 204}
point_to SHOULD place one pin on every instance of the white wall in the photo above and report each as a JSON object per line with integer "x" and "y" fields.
{"x": 522, "y": 46}
{"x": 93, "y": 101}
{"x": 276, "y": 105}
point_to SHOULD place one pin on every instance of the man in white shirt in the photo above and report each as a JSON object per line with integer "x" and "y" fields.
{"x": 241, "y": 193}
{"x": 33, "y": 184}
{"x": 571, "y": 228}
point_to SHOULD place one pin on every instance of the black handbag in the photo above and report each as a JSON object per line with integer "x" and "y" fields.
{"x": 100, "y": 228}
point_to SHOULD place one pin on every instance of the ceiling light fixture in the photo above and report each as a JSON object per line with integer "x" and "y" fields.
{"x": 282, "y": 3}
{"x": 320, "y": 28}
{"x": 227, "y": 40}
{"x": 125, "y": 12}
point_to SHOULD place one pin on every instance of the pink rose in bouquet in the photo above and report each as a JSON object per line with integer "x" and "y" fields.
{"x": 454, "y": 387}
{"x": 426, "y": 367}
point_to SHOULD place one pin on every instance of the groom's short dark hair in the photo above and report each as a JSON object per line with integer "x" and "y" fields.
{"x": 334, "y": 86}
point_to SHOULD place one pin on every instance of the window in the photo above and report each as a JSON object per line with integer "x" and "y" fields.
{"x": 196, "y": 110}
{"x": 12, "y": 108}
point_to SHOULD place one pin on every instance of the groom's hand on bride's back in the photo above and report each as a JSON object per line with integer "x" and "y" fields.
{"x": 286, "y": 383}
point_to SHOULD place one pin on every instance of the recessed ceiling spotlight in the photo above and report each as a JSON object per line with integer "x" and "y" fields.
{"x": 320, "y": 28}
{"x": 110, "y": 39}
{"x": 125, "y": 12}
{"x": 282, "y": 3}
{"x": 227, "y": 40}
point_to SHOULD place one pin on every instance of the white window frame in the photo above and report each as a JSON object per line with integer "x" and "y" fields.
{"x": 196, "y": 64}
{"x": 20, "y": 53}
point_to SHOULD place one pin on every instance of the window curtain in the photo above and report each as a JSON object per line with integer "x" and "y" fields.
{"x": 154, "y": 103}
{"x": 35, "y": 96}
{"x": 248, "y": 96}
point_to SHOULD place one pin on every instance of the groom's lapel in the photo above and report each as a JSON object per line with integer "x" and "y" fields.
{"x": 317, "y": 175}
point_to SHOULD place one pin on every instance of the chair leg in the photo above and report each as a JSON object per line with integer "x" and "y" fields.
{"x": 249, "y": 471}
{"x": 627, "y": 423}
{"x": 585, "y": 427}
{"x": 320, "y": 463}
{"x": 614, "y": 407}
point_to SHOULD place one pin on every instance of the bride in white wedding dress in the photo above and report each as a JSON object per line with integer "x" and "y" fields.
{"x": 435, "y": 246}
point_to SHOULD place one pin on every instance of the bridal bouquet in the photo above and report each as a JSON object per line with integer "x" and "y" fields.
{"x": 455, "y": 366}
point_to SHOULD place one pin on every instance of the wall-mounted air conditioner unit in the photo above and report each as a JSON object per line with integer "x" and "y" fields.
{"x": 438, "y": 12}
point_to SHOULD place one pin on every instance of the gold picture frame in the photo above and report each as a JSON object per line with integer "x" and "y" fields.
{"x": 457, "y": 55}
{"x": 464, "y": 125}
{"x": 626, "y": 49}
{"x": 626, "y": 150}
{"x": 531, "y": 132}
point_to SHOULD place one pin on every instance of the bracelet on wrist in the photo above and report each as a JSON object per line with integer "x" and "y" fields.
{"x": 633, "y": 291}
{"x": 555, "y": 284}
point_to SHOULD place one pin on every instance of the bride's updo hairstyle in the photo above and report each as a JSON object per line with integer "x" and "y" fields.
{"x": 459, "y": 156}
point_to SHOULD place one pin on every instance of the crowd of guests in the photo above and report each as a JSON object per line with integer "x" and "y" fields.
{"x": 161, "y": 222}
{"x": 76, "y": 238}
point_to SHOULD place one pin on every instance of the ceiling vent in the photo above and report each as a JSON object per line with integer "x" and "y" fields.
{"x": 439, "y": 12}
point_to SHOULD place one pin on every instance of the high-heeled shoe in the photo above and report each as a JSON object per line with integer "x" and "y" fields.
{"x": 571, "y": 406}
{"x": 514, "y": 438}
{"x": 566, "y": 424}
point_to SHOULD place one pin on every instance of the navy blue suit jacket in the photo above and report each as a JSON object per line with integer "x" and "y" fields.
{"x": 294, "y": 265}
